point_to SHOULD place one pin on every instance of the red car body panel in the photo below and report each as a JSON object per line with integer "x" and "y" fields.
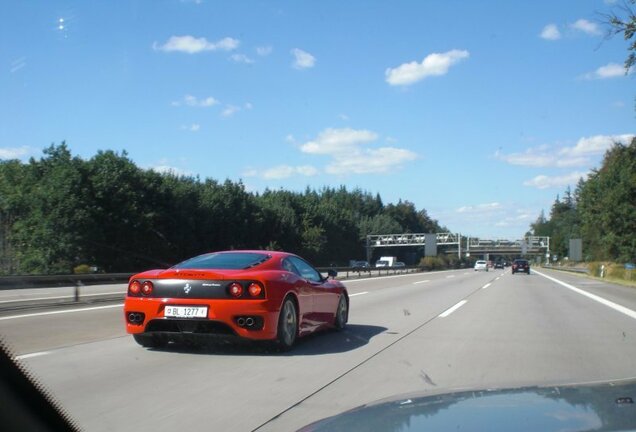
{"x": 317, "y": 302}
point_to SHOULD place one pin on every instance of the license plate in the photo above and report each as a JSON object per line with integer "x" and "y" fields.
{"x": 186, "y": 311}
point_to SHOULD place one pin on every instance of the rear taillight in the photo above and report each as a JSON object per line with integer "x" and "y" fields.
{"x": 235, "y": 289}
{"x": 146, "y": 288}
{"x": 254, "y": 289}
{"x": 134, "y": 287}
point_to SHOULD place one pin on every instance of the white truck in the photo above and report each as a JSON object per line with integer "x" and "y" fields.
{"x": 386, "y": 261}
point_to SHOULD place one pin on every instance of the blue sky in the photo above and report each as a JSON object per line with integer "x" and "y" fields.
{"x": 479, "y": 112}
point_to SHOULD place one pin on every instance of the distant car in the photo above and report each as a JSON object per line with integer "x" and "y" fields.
{"x": 520, "y": 265}
{"x": 359, "y": 265}
{"x": 399, "y": 264}
{"x": 499, "y": 264}
{"x": 257, "y": 295}
{"x": 381, "y": 263}
{"x": 481, "y": 265}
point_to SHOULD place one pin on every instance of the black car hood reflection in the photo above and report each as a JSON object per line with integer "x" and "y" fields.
{"x": 586, "y": 407}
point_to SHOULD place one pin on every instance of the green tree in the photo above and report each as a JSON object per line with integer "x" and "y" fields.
{"x": 608, "y": 205}
{"x": 49, "y": 235}
{"x": 622, "y": 21}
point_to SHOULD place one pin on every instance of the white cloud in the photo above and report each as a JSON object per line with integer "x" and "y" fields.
{"x": 343, "y": 117}
{"x": 562, "y": 157}
{"x": 306, "y": 170}
{"x": 193, "y": 101}
{"x": 490, "y": 220}
{"x": 610, "y": 70}
{"x": 366, "y": 161}
{"x": 302, "y": 59}
{"x": 230, "y": 110}
{"x": 191, "y": 45}
{"x": 250, "y": 172}
{"x": 595, "y": 145}
{"x": 333, "y": 141}
{"x": 286, "y": 171}
{"x": 519, "y": 218}
{"x": 349, "y": 156}
{"x": 15, "y": 152}
{"x": 586, "y": 27}
{"x": 542, "y": 156}
{"x": 435, "y": 64}
{"x": 248, "y": 106}
{"x": 17, "y": 64}
{"x": 264, "y": 51}
{"x": 194, "y": 127}
{"x": 550, "y": 32}
{"x": 480, "y": 208}
{"x": 167, "y": 169}
{"x": 163, "y": 166}
{"x": 241, "y": 58}
{"x": 545, "y": 182}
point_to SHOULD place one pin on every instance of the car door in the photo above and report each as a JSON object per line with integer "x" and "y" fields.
{"x": 307, "y": 321}
{"x": 325, "y": 293}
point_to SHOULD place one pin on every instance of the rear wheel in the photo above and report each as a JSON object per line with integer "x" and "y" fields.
{"x": 148, "y": 341}
{"x": 342, "y": 313}
{"x": 287, "y": 325}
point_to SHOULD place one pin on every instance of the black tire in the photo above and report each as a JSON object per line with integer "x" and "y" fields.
{"x": 148, "y": 341}
{"x": 342, "y": 313}
{"x": 287, "y": 331}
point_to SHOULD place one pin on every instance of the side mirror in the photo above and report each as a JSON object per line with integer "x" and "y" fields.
{"x": 332, "y": 273}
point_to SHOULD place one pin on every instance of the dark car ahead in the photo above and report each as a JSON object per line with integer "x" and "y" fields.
{"x": 520, "y": 265}
{"x": 359, "y": 265}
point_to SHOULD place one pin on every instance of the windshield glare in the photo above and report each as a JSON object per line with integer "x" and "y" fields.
{"x": 224, "y": 261}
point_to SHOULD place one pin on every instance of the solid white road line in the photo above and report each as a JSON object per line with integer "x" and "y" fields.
{"x": 360, "y": 293}
{"x": 450, "y": 276}
{"x": 421, "y": 282}
{"x": 392, "y": 276}
{"x": 486, "y": 286}
{"x": 622, "y": 309}
{"x": 60, "y": 297}
{"x": 449, "y": 311}
{"x": 35, "y": 354}
{"x": 60, "y": 312}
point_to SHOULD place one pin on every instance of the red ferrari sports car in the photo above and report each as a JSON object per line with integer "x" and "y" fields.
{"x": 258, "y": 295}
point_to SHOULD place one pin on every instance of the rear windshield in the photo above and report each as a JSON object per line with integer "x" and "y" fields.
{"x": 521, "y": 262}
{"x": 224, "y": 261}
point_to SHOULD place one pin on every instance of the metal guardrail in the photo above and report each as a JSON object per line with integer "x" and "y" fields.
{"x": 52, "y": 281}
{"x": 569, "y": 269}
{"x": 354, "y": 272}
{"x": 81, "y": 294}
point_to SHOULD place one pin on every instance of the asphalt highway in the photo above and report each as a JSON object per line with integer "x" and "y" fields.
{"x": 424, "y": 332}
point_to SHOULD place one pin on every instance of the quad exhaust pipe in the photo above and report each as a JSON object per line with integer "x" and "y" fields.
{"x": 249, "y": 322}
{"x": 135, "y": 317}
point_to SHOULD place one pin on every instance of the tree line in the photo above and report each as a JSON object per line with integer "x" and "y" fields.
{"x": 61, "y": 211}
{"x": 601, "y": 211}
